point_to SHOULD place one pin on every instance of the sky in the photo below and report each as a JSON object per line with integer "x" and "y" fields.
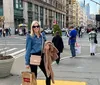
{"x": 93, "y": 7}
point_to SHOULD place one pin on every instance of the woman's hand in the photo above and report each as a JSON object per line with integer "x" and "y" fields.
{"x": 27, "y": 66}
{"x": 46, "y": 47}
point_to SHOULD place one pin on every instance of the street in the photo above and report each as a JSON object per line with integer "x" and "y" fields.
{"x": 83, "y": 68}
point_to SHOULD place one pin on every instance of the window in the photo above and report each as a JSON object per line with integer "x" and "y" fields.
{"x": 16, "y": 3}
{"x": 1, "y": 3}
{"x": 29, "y": 6}
{"x": 50, "y": 2}
{"x": 36, "y": 12}
{"x": 41, "y": 11}
{"x": 36, "y": 8}
{"x": 46, "y": 16}
{"x": 20, "y": 4}
{"x": 50, "y": 13}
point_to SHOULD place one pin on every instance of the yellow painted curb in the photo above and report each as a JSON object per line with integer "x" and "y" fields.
{"x": 60, "y": 82}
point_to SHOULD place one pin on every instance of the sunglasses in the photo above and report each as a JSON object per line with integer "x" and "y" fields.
{"x": 36, "y": 26}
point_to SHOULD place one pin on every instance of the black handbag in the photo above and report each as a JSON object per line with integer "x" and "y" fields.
{"x": 95, "y": 40}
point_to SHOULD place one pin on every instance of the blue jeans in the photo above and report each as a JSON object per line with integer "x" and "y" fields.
{"x": 72, "y": 48}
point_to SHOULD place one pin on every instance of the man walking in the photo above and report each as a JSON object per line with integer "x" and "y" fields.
{"x": 72, "y": 40}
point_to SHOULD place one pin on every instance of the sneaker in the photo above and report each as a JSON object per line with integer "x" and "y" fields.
{"x": 72, "y": 57}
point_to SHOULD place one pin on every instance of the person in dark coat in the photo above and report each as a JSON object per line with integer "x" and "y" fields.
{"x": 58, "y": 43}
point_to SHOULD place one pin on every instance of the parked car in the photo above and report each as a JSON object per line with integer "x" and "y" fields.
{"x": 63, "y": 29}
{"x": 48, "y": 31}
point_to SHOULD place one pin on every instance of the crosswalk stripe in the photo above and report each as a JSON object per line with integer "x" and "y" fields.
{"x": 17, "y": 52}
{"x": 4, "y": 48}
{"x": 9, "y": 50}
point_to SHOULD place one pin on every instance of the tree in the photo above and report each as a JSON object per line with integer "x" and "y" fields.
{"x": 56, "y": 28}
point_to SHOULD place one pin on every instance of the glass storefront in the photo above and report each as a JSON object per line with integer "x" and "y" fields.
{"x": 1, "y": 11}
{"x": 1, "y": 7}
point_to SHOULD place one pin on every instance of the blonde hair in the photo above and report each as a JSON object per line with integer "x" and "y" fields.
{"x": 32, "y": 32}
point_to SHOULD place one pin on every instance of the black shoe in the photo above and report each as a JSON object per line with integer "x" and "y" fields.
{"x": 57, "y": 62}
{"x": 93, "y": 54}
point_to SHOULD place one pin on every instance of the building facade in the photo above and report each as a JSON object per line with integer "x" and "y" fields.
{"x": 25, "y": 11}
{"x": 1, "y": 12}
{"x": 69, "y": 12}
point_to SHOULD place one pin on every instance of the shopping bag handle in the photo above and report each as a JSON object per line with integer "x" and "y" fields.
{"x": 76, "y": 44}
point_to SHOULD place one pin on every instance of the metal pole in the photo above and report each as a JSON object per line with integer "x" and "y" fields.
{"x": 95, "y": 2}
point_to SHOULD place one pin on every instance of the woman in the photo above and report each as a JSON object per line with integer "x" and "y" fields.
{"x": 58, "y": 43}
{"x": 33, "y": 47}
{"x": 93, "y": 41}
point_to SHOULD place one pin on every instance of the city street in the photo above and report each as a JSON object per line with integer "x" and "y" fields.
{"x": 83, "y": 69}
{"x": 19, "y": 17}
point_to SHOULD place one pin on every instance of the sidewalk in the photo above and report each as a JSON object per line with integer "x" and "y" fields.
{"x": 70, "y": 71}
{"x": 83, "y": 70}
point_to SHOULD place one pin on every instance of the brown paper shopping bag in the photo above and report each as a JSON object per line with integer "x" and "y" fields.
{"x": 28, "y": 78}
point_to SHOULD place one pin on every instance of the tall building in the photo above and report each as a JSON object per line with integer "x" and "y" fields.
{"x": 25, "y": 11}
{"x": 82, "y": 4}
{"x": 99, "y": 10}
{"x": 87, "y": 9}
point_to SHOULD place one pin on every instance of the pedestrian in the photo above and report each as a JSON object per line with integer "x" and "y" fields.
{"x": 72, "y": 40}
{"x": 93, "y": 41}
{"x": 0, "y": 32}
{"x": 33, "y": 47}
{"x": 4, "y": 32}
{"x": 58, "y": 43}
{"x": 16, "y": 31}
{"x": 9, "y": 30}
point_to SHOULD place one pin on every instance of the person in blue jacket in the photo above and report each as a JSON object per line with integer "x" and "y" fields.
{"x": 72, "y": 41}
{"x": 34, "y": 42}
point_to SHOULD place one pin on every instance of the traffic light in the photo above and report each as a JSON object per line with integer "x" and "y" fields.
{"x": 97, "y": 17}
